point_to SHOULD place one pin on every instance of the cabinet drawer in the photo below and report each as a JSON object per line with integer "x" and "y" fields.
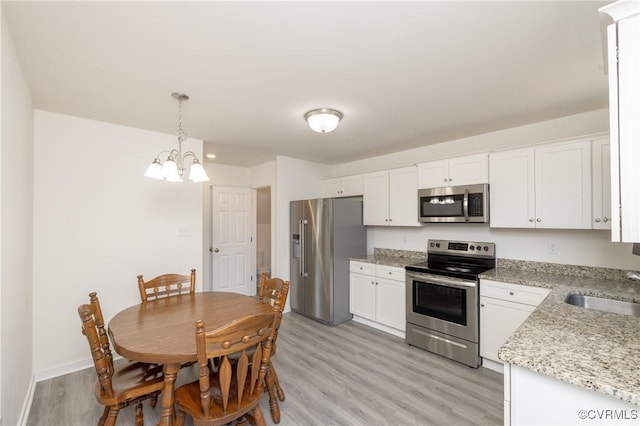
{"x": 390, "y": 272}
{"x": 362, "y": 268}
{"x": 513, "y": 292}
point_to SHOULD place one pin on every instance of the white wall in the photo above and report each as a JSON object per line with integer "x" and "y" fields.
{"x": 98, "y": 223}
{"x": 545, "y": 131}
{"x": 16, "y": 231}
{"x": 223, "y": 175}
{"x": 296, "y": 180}
{"x": 575, "y": 247}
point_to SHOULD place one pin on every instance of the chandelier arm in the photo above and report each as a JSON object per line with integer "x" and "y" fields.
{"x": 164, "y": 152}
{"x": 190, "y": 154}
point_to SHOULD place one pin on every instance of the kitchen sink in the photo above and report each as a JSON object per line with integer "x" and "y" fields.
{"x": 602, "y": 304}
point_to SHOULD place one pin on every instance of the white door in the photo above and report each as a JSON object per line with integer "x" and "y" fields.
{"x": 433, "y": 174}
{"x": 390, "y": 303}
{"x": 563, "y": 185}
{"x": 403, "y": 197}
{"x": 375, "y": 208}
{"x": 511, "y": 184}
{"x": 362, "y": 296}
{"x": 469, "y": 170}
{"x": 601, "y": 168}
{"x": 230, "y": 252}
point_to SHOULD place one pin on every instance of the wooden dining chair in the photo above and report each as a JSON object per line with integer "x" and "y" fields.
{"x": 120, "y": 386}
{"x": 274, "y": 291}
{"x": 235, "y": 388}
{"x": 166, "y": 285}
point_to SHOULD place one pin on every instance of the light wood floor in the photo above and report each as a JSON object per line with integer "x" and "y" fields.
{"x": 345, "y": 375}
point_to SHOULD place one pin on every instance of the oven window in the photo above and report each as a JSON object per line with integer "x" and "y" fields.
{"x": 442, "y": 206}
{"x": 439, "y": 301}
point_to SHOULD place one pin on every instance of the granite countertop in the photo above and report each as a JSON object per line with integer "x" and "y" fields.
{"x": 592, "y": 349}
{"x": 390, "y": 257}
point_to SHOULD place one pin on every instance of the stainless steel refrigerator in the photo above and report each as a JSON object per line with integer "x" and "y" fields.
{"x": 325, "y": 233}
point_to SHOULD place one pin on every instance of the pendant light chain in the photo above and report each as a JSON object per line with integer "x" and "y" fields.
{"x": 182, "y": 135}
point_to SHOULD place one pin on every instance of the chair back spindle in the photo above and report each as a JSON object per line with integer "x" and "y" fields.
{"x": 166, "y": 285}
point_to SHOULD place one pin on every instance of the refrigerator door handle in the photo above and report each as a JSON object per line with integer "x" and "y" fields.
{"x": 303, "y": 248}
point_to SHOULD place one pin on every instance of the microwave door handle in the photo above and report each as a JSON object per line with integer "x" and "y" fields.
{"x": 465, "y": 205}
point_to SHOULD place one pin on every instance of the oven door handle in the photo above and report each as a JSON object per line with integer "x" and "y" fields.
{"x": 436, "y": 279}
{"x": 465, "y": 205}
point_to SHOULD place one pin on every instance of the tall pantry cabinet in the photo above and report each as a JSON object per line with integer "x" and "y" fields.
{"x": 623, "y": 51}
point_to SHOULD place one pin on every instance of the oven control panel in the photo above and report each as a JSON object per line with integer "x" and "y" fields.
{"x": 462, "y": 248}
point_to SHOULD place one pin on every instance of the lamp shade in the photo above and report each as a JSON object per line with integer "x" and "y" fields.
{"x": 197, "y": 173}
{"x": 154, "y": 170}
{"x": 323, "y": 120}
{"x": 170, "y": 171}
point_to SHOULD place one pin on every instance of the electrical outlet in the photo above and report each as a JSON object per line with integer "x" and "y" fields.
{"x": 183, "y": 231}
{"x": 552, "y": 247}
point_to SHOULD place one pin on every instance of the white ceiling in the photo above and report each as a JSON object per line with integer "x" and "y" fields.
{"x": 404, "y": 74}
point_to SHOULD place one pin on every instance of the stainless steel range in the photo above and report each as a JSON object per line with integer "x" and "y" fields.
{"x": 443, "y": 297}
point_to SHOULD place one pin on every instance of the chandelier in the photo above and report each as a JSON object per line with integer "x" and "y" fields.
{"x": 323, "y": 120}
{"x": 173, "y": 168}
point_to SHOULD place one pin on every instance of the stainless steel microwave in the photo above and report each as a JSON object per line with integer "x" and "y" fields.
{"x": 466, "y": 203}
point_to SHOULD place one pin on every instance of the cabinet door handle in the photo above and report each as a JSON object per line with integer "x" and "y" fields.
{"x": 605, "y": 219}
{"x": 530, "y": 219}
{"x": 598, "y": 219}
{"x": 538, "y": 220}
{"x": 445, "y": 179}
{"x": 511, "y": 293}
{"x": 482, "y": 305}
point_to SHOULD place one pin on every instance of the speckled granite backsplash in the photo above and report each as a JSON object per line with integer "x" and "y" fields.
{"x": 418, "y": 256}
{"x": 561, "y": 269}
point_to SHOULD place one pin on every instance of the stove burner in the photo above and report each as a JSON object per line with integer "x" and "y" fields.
{"x": 457, "y": 269}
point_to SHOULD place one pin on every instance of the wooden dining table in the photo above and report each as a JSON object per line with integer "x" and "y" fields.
{"x": 162, "y": 331}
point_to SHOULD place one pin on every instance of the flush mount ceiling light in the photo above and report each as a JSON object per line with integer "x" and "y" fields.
{"x": 323, "y": 120}
{"x": 173, "y": 167}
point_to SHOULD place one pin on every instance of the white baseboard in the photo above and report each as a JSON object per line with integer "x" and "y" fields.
{"x": 26, "y": 406}
{"x": 493, "y": 365}
{"x": 70, "y": 367}
{"x": 379, "y": 326}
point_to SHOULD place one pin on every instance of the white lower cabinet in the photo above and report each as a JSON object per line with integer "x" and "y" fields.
{"x": 503, "y": 308}
{"x": 377, "y": 296}
{"x": 536, "y": 399}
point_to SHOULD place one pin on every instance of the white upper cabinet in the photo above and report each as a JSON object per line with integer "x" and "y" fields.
{"x": 466, "y": 170}
{"x": 391, "y": 198}
{"x": 623, "y": 49}
{"x": 601, "y": 183}
{"x": 512, "y": 189}
{"x": 543, "y": 187}
{"x": 563, "y": 185}
{"x": 347, "y": 186}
